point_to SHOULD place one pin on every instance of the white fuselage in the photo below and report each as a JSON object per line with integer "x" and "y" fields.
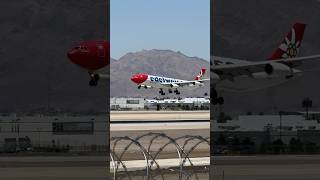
{"x": 167, "y": 83}
{"x": 159, "y": 81}
{"x": 247, "y": 83}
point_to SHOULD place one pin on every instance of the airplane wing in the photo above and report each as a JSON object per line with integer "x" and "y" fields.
{"x": 185, "y": 83}
{"x": 229, "y": 71}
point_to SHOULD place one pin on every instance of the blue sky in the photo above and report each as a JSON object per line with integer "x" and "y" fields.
{"x": 179, "y": 25}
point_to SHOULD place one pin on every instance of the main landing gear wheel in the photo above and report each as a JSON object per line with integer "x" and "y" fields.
{"x": 170, "y": 91}
{"x": 218, "y": 100}
{"x": 161, "y": 92}
{"x": 93, "y": 83}
{"x": 214, "y": 94}
{"x": 94, "y": 79}
{"x": 176, "y": 91}
{"x": 215, "y": 99}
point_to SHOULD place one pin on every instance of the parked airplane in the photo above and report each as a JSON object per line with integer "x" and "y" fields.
{"x": 150, "y": 81}
{"x": 237, "y": 75}
{"x": 92, "y": 56}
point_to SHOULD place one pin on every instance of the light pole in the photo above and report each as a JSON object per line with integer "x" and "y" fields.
{"x": 280, "y": 129}
{"x": 307, "y": 103}
{"x": 39, "y": 130}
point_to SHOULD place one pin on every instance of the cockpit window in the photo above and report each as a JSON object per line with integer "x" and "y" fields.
{"x": 81, "y": 48}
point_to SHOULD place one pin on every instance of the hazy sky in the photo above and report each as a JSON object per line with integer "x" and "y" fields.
{"x": 179, "y": 25}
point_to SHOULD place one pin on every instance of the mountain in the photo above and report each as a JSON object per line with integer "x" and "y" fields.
{"x": 253, "y": 30}
{"x": 156, "y": 62}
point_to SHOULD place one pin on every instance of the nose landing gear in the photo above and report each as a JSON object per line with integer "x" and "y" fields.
{"x": 94, "y": 79}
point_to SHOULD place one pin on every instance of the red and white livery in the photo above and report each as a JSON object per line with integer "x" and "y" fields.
{"x": 171, "y": 84}
{"x": 91, "y": 55}
{"x": 229, "y": 74}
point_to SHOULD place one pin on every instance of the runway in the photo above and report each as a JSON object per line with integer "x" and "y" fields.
{"x": 149, "y": 116}
{"x": 275, "y": 167}
{"x": 158, "y": 120}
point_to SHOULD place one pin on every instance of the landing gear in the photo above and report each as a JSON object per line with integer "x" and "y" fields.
{"x": 215, "y": 99}
{"x": 218, "y": 100}
{"x": 139, "y": 87}
{"x": 94, "y": 79}
{"x": 161, "y": 92}
{"x": 93, "y": 83}
{"x": 214, "y": 93}
{"x": 177, "y": 92}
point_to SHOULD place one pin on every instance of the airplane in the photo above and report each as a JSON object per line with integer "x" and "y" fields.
{"x": 237, "y": 75}
{"x": 91, "y": 55}
{"x": 172, "y": 84}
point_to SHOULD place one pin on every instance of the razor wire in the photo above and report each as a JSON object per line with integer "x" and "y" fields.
{"x": 184, "y": 146}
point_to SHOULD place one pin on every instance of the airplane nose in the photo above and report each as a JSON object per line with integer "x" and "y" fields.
{"x": 71, "y": 54}
{"x": 139, "y": 78}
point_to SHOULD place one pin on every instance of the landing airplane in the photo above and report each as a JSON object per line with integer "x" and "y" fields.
{"x": 235, "y": 75}
{"x": 92, "y": 56}
{"x": 150, "y": 81}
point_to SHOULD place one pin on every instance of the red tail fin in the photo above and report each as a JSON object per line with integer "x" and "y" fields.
{"x": 289, "y": 47}
{"x": 201, "y": 74}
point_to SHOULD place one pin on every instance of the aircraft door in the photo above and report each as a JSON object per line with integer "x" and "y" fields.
{"x": 101, "y": 50}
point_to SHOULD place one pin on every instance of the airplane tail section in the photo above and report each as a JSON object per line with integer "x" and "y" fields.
{"x": 201, "y": 74}
{"x": 289, "y": 47}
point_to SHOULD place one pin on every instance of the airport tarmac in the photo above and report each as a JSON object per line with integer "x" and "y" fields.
{"x": 165, "y": 126}
{"x": 53, "y": 173}
{"x": 281, "y": 167}
{"x": 159, "y": 120}
{"x": 274, "y": 167}
{"x": 148, "y": 116}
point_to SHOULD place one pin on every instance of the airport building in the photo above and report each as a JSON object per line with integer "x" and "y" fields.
{"x": 71, "y": 133}
{"x": 158, "y": 104}
{"x": 259, "y": 130}
{"x": 127, "y": 103}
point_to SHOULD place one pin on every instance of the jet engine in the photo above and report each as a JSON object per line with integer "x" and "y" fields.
{"x": 174, "y": 85}
{"x": 214, "y": 76}
{"x": 277, "y": 68}
{"x": 197, "y": 83}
